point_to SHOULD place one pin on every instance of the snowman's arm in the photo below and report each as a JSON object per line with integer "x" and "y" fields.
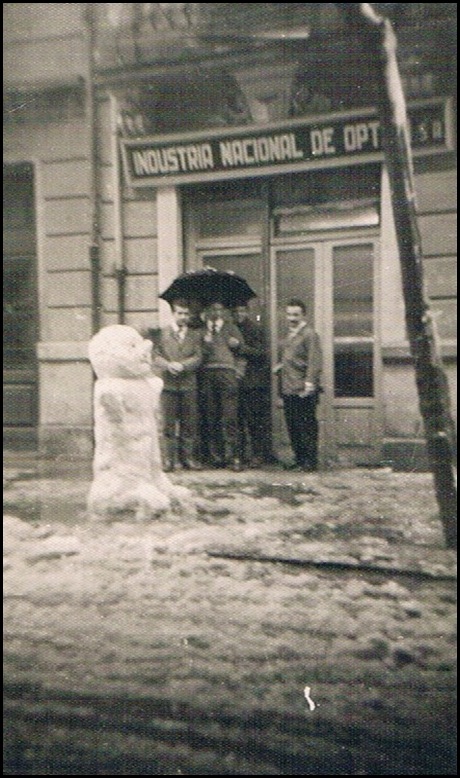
{"x": 112, "y": 405}
{"x": 156, "y": 386}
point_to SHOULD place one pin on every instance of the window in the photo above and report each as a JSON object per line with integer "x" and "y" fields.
{"x": 353, "y": 325}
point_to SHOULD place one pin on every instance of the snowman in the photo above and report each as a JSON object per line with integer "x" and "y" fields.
{"x": 127, "y": 467}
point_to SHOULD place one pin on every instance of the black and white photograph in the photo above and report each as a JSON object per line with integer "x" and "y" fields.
{"x": 229, "y": 388}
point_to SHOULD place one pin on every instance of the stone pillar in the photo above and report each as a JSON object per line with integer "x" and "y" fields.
{"x": 170, "y": 252}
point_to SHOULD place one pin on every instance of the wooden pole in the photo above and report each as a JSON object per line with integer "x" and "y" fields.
{"x": 378, "y": 37}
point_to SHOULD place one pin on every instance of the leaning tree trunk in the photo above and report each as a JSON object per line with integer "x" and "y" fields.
{"x": 379, "y": 38}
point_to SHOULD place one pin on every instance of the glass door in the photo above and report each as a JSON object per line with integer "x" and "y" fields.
{"x": 337, "y": 280}
{"x": 353, "y": 367}
{"x": 296, "y": 273}
{"x": 225, "y": 227}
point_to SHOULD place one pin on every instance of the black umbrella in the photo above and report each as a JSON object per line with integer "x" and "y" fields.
{"x": 209, "y": 286}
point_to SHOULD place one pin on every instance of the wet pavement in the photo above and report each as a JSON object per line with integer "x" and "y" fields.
{"x": 290, "y": 624}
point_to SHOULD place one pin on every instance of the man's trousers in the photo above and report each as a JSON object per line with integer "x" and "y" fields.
{"x": 302, "y": 426}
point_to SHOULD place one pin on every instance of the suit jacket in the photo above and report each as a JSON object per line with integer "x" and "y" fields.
{"x": 301, "y": 359}
{"x": 167, "y": 347}
{"x": 255, "y": 355}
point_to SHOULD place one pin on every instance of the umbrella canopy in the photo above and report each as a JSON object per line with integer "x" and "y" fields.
{"x": 209, "y": 286}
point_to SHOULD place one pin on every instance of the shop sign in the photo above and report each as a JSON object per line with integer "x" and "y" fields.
{"x": 299, "y": 145}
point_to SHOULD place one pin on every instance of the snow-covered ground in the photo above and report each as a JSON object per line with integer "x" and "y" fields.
{"x": 290, "y": 624}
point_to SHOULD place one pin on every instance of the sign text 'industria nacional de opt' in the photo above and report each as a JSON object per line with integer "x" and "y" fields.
{"x": 298, "y": 145}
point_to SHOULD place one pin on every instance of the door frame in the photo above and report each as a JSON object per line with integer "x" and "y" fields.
{"x": 252, "y": 248}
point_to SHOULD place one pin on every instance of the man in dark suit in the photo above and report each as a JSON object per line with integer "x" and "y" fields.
{"x": 176, "y": 354}
{"x": 254, "y": 407}
{"x": 300, "y": 369}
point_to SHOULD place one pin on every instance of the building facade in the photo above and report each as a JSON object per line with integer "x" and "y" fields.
{"x": 145, "y": 139}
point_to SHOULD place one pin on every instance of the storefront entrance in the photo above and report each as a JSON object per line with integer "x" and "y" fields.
{"x": 329, "y": 258}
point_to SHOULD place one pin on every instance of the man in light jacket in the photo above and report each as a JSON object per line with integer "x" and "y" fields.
{"x": 300, "y": 370}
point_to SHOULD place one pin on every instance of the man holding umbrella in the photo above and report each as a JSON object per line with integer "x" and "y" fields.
{"x": 219, "y": 387}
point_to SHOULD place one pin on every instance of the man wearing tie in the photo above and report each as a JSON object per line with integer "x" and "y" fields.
{"x": 176, "y": 355}
{"x": 221, "y": 340}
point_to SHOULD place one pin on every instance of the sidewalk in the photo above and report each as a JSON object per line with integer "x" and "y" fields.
{"x": 294, "y": 624}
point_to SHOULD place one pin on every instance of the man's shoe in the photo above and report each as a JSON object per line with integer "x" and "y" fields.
{"x": 192, "y": 464}
{"x": 292, "y": 467}
{"x": 270, "y": 459}
{"x": 300, "y": 467}
{"x": 306, "y": 467}
{"x": 216, "y": 464}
